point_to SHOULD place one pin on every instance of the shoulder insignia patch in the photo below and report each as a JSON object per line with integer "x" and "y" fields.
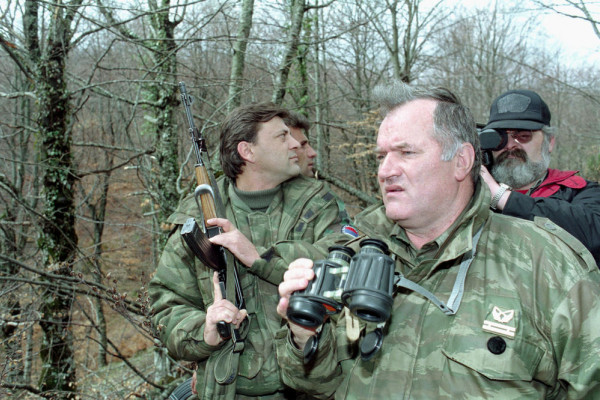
{"x": 350, "y": 231}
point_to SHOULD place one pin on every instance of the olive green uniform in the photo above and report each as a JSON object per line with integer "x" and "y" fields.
{"x": 528, "y": 326}
{"x": 301, "y": 213}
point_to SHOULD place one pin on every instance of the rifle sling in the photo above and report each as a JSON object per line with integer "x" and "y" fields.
{"x": 226, "y": 367}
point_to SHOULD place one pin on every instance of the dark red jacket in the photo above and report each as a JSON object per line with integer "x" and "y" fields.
{"x": 568, "y": 200}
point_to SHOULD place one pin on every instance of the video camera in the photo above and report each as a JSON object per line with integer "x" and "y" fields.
{"x": 491, "y": 140}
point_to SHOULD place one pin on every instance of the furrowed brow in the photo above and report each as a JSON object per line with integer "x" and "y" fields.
{"x": 396, "y": 147}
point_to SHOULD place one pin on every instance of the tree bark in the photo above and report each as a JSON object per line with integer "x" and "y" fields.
{"x": 320, "y": 146}
{"x": 163, "y": 92}
{"x": 238, "y": 60}
{"x": 58, "y": 241}
{"x": 298, "y": 7}
{"x": 98, "y": 214}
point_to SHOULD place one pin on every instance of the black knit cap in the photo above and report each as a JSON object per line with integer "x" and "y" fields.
{"x": 519, "y": 109}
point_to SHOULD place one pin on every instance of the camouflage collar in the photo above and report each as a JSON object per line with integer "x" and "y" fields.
{"x": 450, "y": 245}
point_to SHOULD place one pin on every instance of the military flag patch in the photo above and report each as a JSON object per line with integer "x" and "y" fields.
{"x": 350, "y": 230}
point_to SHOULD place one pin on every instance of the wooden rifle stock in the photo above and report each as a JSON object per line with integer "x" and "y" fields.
{"x": 206, "y": 201}
{"x": 196, "y": 237}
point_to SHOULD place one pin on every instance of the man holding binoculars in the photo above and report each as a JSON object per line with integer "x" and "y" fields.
{"x": 521, "y": 183}
{"x": 482, "y": 304}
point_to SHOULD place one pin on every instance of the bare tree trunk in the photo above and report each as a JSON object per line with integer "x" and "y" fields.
{"x": 320, "y": 93}
{"x": 161, "y": 98}
{"x": 22, "y": 187}
{"x": 98, "y": 214}
{"x": 317, "y": 89}
{"x": 298, "y": 7}
{"x": 410, "y": 30}
{"x": 9, "y": 327}
{"x": 28, "y": 358}
{"x": 163, "y": 92}
{"x": 12, "y": 244}
{"x": 239, "y": 55}
{"x": 59, "y": 240}
{"x": 394, "y": 46}
{"x": 300, "y": 89}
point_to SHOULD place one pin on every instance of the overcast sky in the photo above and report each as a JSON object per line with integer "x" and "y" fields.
{"x": 575, "y": 37}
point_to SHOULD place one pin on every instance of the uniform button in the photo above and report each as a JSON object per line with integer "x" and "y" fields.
{"x": 496, "y": 345}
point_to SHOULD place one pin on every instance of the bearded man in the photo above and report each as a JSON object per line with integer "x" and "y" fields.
{"x": 520, "y": 182}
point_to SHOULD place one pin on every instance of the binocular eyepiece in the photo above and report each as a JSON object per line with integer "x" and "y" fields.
{"x": 370, "y": 282}
{"x": 323, "y": 294}
{"x": 363, "y": 282}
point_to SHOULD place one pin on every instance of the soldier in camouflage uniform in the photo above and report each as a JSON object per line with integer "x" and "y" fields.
{"x": 525, "y": 323}
{"x": 299, "y": 127}
{"x": 273, "y": 216}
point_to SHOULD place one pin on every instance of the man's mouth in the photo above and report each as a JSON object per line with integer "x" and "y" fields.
{"x": 393, "y": 189}
{"x": 512, "y": 154}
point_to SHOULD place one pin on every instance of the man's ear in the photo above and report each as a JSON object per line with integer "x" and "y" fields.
{"x": 464, "y": 161}
{"x": 246, "y": 151}
{"x": 551, "y": 144}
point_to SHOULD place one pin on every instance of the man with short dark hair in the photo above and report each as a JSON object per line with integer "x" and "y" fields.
{"x": 299, "y": 126}
{"x": 271, "y": 215}
{"x": 484, "y": 306}
{"x": 520, "y": 182}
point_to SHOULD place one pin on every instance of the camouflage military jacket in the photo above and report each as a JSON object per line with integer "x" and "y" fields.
{"x": 528, "y": 326}
{"x": 302, "y": 212}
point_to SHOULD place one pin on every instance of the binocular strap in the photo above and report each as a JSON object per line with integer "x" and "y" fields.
{"x": 459, "y": 284}
{"x": 352, "y": 325}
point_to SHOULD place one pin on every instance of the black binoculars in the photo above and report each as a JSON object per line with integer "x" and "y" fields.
{"x": 363, "y": 282}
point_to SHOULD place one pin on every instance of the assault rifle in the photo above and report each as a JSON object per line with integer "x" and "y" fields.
{"x": 196, "y": 235}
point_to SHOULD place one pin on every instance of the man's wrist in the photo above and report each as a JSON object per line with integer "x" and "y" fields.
{"x": 496, "y": 199}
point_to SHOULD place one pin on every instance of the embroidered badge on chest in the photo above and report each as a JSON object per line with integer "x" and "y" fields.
{"x": 503, "y": 322}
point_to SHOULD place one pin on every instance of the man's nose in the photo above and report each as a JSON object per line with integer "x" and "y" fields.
{"x": 293, "y": 143}
{"x": 386, "y": 168}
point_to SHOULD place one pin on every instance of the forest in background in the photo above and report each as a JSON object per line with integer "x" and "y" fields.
{"x": 95, "y": 151}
